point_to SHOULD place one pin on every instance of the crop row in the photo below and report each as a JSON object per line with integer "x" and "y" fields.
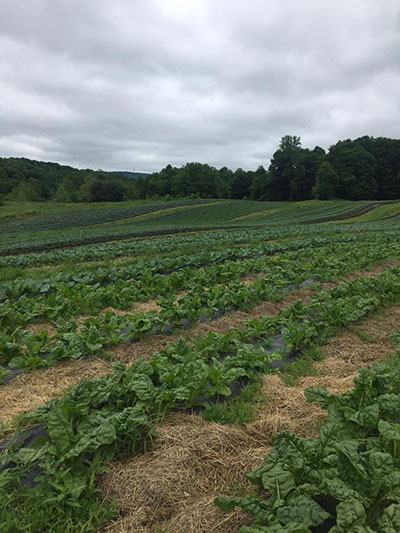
{"x": 89, "y": 216}
{"x": 31, "y": 241}
{"x": 233, "y": 211}
{"x": 71, "y": 299}
{"x": 135, "y": 269}
{"x": 49, "y": 481}
{"x": 318, "y": 213}
{"x": 158, "y": 245}
{"x": 23, "y": 349}
{"x": 65, "y": 298}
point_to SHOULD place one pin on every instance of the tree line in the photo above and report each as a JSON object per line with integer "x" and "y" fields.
{"x": 23, "y": 179}
{"x": 360, "y": 169}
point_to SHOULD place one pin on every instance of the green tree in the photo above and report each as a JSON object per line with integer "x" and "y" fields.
{"x": 103, "y": 191}
{"x": 283, "y": 168}
{"x": 198, "y": 179}
{"x": 304, "y": 177}
{"x": 325, "y": 182}
{"x": 62, "y": 195}
{"x": 84, "y": 192}
{"x": 356, "y": 170}
{"x": 26, "y": 191}
{"x": 226, "y": 175}
{"x": 241, "y": 184}
{"x": 387, "y": 156}
{"x": 258, "y": 186}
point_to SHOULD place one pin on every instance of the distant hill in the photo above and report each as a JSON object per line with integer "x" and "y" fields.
{"x": 25, "y": 179}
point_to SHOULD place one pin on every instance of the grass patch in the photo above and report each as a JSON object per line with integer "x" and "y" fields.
{"x": 241, "y": 491}
{"x": 65, "y": 515}
{"x": 378, "y": 213}
{"x": 363, "y": 335}
{"x": 303, "y": 366}
{"x": 240, "y": 410}
{"x": 395, "y": 337}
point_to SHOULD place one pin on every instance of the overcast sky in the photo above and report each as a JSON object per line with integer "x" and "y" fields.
{"x": 123, "y": 84}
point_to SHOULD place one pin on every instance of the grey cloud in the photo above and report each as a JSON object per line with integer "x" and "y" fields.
{"x": 144, "y": 83}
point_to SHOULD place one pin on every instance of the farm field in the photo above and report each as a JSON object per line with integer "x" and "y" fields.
{"x": 26, "y": 231}
{"x": 192, "y": 366}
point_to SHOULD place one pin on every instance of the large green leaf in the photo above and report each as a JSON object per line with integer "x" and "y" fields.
{"x": 101, "y": 433}
{"x": 348, "y": 451}
{"x": 256, "y": 507}
{"x": 351, "y": 518}
{"x": 278, "y": 481}
{"x": 389, "y": 522}
{"x": 368, "y": 417}
{"x": 388, "y": 430}
{"x": 380, "y": 465}
{"x": 59, "y": 427}
{"x": 302, "y": 510}
{"x": 337, "y": 488}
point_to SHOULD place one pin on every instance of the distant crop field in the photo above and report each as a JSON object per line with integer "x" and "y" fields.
{"x": 155, "y": 360}
{"x": 27, "y": 231}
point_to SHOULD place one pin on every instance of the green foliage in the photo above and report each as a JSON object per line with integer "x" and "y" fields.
{"x": 356, "y": 171}
{"x": 354, "y": 464}
{"x": 240, "y": 410}
{"x": 282, "y": 168}
{"x": 106, "y": 192}
{"x": 58, "y": 297}
{"x": 366, "y": 168}
{"x": 62, "y": 195}
{"x": 325, "y": 184}
{"x": 196, "y": 179}
{"x": 26, "y": 191}
{"x": 307, "y": 165}
{"x": 114, "y": 416}
{"x": 26, "y": 180}
{"x": 297, "y": 369}
{"x": 363, "y": 335}
{"x": 111, "y": 416}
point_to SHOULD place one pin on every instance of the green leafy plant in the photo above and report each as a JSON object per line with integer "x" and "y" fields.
{"x": 350, "y": 474}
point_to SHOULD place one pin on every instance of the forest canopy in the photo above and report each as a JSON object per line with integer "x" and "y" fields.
{"x": 361, "y": 169}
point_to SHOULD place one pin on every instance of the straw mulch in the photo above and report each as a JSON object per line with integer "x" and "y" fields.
{"x": 41, "y": 326}
{"x": 28, "y": 391}
{"x": 173, "y": 485}
{"x": 192, "y": 462}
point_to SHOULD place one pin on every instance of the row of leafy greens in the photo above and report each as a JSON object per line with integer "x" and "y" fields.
{"x": 49, "y": 482}
{"x": 23, "y": 348}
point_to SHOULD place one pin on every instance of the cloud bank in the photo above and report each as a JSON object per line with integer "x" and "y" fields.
{"x": 143, "y": 83}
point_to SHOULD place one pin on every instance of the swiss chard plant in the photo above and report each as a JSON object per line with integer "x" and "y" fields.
{"x": 345, "y": 481}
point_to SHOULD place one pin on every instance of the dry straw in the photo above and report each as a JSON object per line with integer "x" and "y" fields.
{"x": 193, "y": 461}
